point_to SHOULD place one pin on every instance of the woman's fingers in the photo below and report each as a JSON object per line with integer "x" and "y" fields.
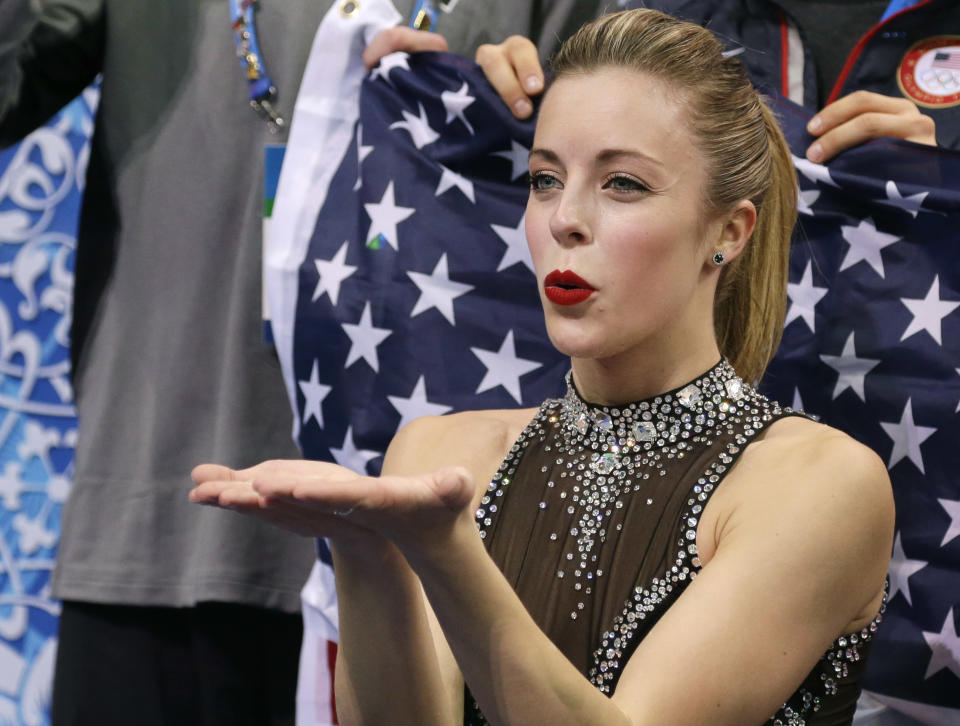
{"x": 513, "y": 69}
{"x": 401, "y": 38}
{"x": 326, "y": 500}
{"x": 308, "y": 519}
{"x": 862, "y": 116}
{"x": 212, "y": 472}
{"x": 226, "y": 493}
{"x": 453, "y": 486}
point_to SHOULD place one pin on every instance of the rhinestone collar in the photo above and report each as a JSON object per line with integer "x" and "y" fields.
{"x": 668, "y": 420}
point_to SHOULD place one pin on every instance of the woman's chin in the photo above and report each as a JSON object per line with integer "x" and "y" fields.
{"x": 575, "y": 344}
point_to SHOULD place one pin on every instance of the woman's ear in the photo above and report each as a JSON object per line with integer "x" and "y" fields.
{"x": 736, "y": 227}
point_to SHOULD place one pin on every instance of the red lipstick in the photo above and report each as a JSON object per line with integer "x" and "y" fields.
{"x": 563, "y": 287}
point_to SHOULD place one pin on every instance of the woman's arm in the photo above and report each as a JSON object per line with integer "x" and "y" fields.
{"x": 795, "y": 548}
{"x": 389, "y": 669}
{"x": 802, "y": 540}
{"x": 393, "y": 665}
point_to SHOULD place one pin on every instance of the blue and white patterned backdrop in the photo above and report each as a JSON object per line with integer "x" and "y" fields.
{"x": 41, "y": 181}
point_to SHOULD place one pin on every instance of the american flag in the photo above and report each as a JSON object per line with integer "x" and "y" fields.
{"x": 946, "y": 60}
{"x": 416, "y": 296}
{"x": 872, "y": 346}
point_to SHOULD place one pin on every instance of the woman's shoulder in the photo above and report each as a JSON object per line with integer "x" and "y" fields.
{"x": 475, "y": 439}
{"x": 808, "y": 477}
{"x": 822, "y": 455}
{"x": 818, "y": 499}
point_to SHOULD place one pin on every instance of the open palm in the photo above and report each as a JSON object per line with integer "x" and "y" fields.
{"x": 325, "y": 500}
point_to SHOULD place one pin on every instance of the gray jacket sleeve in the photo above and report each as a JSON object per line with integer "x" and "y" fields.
{"x": 553, "y": 21}
{"x": 50, "y": 50}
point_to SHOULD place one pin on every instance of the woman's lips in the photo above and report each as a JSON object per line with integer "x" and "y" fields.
{"x": 563, "y": 287}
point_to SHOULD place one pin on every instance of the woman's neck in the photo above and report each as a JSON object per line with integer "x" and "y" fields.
{"x": 640, "y": 374}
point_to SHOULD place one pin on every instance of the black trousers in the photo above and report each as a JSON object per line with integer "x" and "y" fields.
{"x": 213, "y": 664}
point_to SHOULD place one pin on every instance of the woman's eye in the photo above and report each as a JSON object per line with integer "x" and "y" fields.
{"x": 622, "y": 183}
{"x": 541, "y": 182}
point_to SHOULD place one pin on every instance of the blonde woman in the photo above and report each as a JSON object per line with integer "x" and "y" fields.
{"x": 662, "y": 545}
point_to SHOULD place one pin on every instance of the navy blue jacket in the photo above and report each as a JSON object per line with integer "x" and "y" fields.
{"x": 764, "y": 31}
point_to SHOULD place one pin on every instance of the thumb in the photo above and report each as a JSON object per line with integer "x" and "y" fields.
{"x": 454, "y": 486}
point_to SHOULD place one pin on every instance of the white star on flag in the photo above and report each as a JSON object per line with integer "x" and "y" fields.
{"x": 456, "y": 103}
{"x": 804, "y": 296}
{"x": 945, "y": 647}
{"x": 865, "y": 244}
{"x": 313, "y": 394}
{"x": 928, "y": 313}
{"x": 332, "y": 272}
{"x": 912, "y": 203}
{"x": 364, "y": 339}
{"x": 349, "y": 456}
{"x": 450, "y": 179}
{"x": 416, "y": 405}
{"x": 907, "y": 437}
{"x": 814, "y": 172}
{"x": 437, "y": 290}
{"x": 384, "y": 217}
{"x": 901, "y": 570}
{"x": 953, "y": 511}
{"x": 362, "y": 153}
{"x": 388, "y": 63}
{"x": 504, "y": 368}
{"x": 516, "y": 240}
{"x": 519, "y": 157}
{"x": 805, "y": 201}
{"x": 418, "y": 127}
{"x": 851, "y": 370}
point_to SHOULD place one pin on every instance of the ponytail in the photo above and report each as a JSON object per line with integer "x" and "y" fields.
{"x": 751, "y": 298}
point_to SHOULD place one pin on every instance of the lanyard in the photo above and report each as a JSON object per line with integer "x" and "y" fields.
{"x": 426, "y": 13}
{"x": 260, "y": 87}
{"x": 895, "y": 7}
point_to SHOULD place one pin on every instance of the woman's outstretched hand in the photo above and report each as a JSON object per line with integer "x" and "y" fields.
{"x": 325, "y": 500}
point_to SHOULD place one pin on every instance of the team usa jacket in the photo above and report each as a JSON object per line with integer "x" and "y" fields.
{"x": 909, "y": 52}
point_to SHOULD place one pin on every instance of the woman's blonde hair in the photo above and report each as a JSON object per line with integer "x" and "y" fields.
{"x": 747, "y": 158}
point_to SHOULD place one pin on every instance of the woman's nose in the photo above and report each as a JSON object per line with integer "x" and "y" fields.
{"x": 569, "y": 221}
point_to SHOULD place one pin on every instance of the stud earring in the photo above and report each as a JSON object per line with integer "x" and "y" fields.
{"x": 718, "y": 258}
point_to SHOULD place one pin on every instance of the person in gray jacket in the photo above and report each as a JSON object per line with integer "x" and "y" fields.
{"x": 174, "y": 613}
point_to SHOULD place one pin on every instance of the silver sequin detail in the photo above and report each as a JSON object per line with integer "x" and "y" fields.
{"x": 606, "y": 453}
{"x": 689, "y": 396}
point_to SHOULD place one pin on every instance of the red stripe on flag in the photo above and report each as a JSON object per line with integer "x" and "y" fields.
{"x": 331, "y": 667}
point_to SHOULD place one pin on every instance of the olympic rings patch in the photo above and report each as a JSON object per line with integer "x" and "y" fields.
{"x": 929, "y": 73}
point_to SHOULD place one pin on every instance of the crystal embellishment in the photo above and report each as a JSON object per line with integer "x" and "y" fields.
{"x": 689, "y": 395}
{"x": 602, "y": 421}
{"x": 605, "y": 464}
{"x": 644, "y": 431}
{"x": 734, "y": 387}
{"x": 581, "y": 423}
{"x": 597, "y": 459}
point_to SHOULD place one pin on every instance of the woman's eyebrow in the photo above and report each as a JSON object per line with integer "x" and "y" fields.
{"x": 612, "y": 154}
{"x": 604, "y": 156}
{"x": 545, "y": 154}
